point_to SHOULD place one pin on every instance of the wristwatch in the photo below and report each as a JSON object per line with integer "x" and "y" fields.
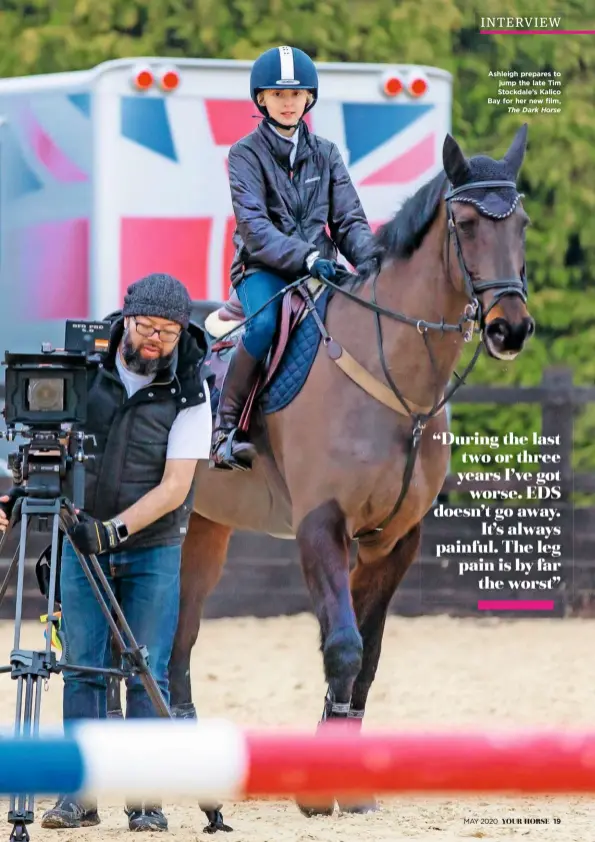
{"x": 121, "y": 529}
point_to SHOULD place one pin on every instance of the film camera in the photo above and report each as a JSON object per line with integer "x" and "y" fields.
{"x": 46, "y": 396}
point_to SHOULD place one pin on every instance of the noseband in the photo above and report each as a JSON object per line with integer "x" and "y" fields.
{"x": 505, "y": 286}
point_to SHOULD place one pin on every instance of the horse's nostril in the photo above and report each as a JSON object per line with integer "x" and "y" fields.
{"x": 498, "y": 329}
{"x": 509, "y": 337}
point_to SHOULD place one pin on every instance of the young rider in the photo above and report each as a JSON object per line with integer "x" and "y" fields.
{"x": 287, "y": 185}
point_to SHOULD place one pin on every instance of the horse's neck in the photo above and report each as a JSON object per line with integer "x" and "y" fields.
{"x": 418, "y": 288}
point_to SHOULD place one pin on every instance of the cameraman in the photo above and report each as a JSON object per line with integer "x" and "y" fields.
{"x": 150, "y": 413}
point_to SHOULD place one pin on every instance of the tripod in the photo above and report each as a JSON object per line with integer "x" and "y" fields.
{"x": 43, "y": 463}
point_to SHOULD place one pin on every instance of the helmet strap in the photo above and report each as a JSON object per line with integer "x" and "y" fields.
{"x": 278, "y": 125}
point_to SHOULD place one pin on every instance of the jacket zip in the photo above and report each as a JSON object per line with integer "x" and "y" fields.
{"x": 300, "y": 207}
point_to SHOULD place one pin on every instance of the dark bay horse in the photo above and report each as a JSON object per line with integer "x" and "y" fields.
{"x": 362, "y": 460}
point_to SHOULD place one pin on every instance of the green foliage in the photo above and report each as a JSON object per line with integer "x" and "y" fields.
{"x": 41, "y": 36}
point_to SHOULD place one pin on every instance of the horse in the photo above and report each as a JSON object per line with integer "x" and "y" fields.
{"x": 357, "y": 455}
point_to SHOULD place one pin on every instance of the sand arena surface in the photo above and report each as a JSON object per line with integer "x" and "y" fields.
{"x": 434, "y": 672}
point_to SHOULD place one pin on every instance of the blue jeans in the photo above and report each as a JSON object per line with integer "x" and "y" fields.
{"x": 146, "y": 583}
{"x": 254, "y": 291}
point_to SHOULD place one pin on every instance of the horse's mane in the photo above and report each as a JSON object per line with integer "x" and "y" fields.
{"x": 404, "y": 233}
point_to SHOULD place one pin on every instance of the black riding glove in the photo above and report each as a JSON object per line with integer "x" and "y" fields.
{"x": 93, "y": 537}
{"x": 320, "y": 268}
{"x": 13, "y": 495}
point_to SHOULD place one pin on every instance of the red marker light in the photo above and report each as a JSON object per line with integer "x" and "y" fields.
{"x": 143, "y": 79}
{"x": 418, "y": 86}
{"x": 170, "y": 80}
{"x": 391, "y": 85}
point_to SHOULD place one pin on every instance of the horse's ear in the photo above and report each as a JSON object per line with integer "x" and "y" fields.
{"x": 455, "y": 163}
{"x": 516, "y": 153}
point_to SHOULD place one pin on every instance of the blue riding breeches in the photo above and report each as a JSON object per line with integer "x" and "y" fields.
{"x": 254, "y": 291}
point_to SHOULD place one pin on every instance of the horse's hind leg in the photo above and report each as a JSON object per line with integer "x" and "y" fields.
{"x": 373, "y": 585}
{"x": 203, "y": 556}
{"x": 325, "y": 560}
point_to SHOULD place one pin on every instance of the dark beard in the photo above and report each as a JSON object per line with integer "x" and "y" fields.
{"x": 137, "y": 364}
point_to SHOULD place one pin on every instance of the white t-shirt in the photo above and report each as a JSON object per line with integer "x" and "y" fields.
{"x": 190, "y": 434}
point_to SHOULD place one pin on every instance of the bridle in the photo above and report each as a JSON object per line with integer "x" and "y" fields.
{"x": 512, "y": 286}
{"x": 473, "y": 312}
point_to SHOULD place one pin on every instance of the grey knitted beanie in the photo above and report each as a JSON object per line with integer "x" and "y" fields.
{"x": 158, "y": 295}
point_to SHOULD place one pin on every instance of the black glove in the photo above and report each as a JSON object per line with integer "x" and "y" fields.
{"x": 320, "y": 268}
{"x": 13, "y": 495}
{"x": 93, "y": 537}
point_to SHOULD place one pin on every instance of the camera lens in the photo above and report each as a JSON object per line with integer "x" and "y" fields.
{"x": 45, "y": 394}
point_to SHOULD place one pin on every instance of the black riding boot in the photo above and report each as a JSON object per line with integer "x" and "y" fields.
{"x": 226, "y": 451}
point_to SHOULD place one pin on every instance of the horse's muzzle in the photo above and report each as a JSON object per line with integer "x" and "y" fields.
{"x": 504, "y": 339}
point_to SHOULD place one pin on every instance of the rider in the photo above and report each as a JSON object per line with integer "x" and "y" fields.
{"x": 286, "y": 186}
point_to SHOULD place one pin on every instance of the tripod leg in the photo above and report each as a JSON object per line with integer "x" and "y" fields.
{"x": 17, "y": 814}
{"x": 14, "y": 562}
{"x": 28, "y": 667}
{"x": 8, "y": 577}
{"x": 114, "y": 698}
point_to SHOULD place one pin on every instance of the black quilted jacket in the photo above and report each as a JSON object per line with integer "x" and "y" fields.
{"x": 281, "y": 214}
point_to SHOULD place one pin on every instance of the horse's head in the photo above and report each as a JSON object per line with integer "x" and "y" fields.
{"x": 487, "y": 225}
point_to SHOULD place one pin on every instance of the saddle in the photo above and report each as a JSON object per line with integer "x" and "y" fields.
{"x": 230, "y": 317}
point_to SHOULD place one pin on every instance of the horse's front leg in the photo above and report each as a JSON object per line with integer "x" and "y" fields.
{"x": 373, "y": 586}
{"x": 324, "y": 549}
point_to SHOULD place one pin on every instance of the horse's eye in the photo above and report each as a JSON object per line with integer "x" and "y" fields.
{"x": 467, "y": 226}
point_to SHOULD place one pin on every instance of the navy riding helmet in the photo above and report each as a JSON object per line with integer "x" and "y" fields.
{"x": 281, "y": 68}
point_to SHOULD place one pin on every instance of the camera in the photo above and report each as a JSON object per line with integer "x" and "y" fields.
{"x": 46, "y": 393}
{"x": 48, "y": 389}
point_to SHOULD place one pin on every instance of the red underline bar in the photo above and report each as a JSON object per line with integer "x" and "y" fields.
{"x": 515, "y": 605}
{"x": 537, "y": 31}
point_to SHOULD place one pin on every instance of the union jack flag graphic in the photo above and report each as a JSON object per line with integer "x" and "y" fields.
{"x": 168, "y": 205}
{"x": 389, "y": 149}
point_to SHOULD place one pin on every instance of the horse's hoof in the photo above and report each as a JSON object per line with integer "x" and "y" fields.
{"x": 309, "y": 810}
{"x": 360, "y": 809}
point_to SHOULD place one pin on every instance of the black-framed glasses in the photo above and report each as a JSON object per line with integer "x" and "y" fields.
{"x": 165, "y": 333}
